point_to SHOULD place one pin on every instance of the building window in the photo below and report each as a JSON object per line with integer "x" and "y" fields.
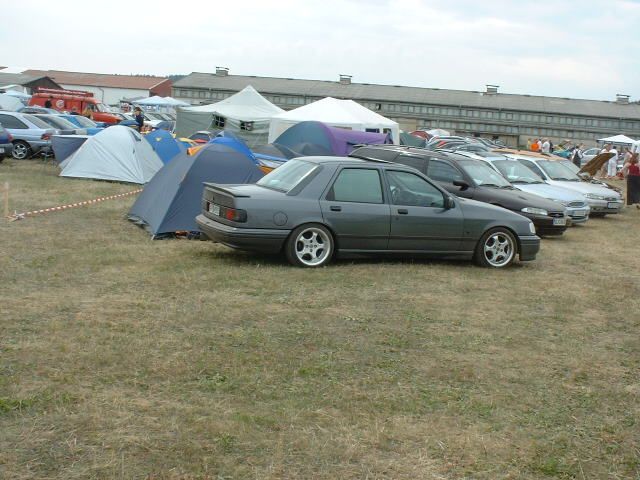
{"x": 218, "y": 122}
{"x": 248, "y": 126}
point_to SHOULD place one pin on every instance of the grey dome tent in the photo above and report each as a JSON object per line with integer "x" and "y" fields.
{"x": 117, "y": 153}
{"x": 172, "y": 200}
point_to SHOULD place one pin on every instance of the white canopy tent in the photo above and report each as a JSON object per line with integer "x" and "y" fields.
{"x": 117, "y": 153}
{"x": 336, "y": 113}
{"x": 247, "y": 114}
{"x": 618, "y": 140}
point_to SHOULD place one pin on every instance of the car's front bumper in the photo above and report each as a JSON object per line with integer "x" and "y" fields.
{"x": 547, "y": 225}
{"x": 601, "y": 207}
{"x": 579, "y": 214}
{"x": 529, "y": 247}
{"x": 250, "y": 239}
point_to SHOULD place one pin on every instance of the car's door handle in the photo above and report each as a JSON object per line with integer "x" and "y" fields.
{"x": 335, "y": 208}
{"x": 403, "y": 211}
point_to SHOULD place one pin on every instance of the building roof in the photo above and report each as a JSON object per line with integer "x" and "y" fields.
{"x": 19, "y": 78}
{"x": 136, "y": 82}
{"x": 415, "y": 95}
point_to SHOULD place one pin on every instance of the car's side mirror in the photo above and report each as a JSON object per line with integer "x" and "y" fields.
{"x": 449, "y": 202}
{"x": 459, "y": 183}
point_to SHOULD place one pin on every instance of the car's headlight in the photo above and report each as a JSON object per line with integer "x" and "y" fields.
{"x": 594, "y": 196}
{"x": 534, "y": 211}
{"x": 532, "y": 228}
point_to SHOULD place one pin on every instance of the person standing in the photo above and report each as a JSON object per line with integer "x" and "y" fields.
{"x": 612, "y": 164}
{"x": 48, "y": 103}
{"x": 535, "y": 146}
{"x": 546, "y": 146}
{"x": 631, "y": 171}
{"x": 139, "y": 117}
{"x": 576, "y": 156}
{"x": 87, "y": 112}
{"x": 528, "y": 144}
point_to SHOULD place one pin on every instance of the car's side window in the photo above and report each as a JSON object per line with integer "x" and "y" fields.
{"x": 443, "y": 172}
{"x": 11, "y": 122}
{"x": 533, "y": 167}
{"x": 412, "y": 190}
{"x": 357, "y": 185}
{"x": 415, "y": 162}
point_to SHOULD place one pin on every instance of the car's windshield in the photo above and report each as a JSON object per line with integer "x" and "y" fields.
{"x": 516, "y": 172}
{"x": 58, "y": 122}
{"x": 571, "y": 166}
{"x": 483, "y": 174}
{"x": 84, "y": 121}
{"x": 557, "y": 171}
{"x": 286, "y": 177}
{"x": 101, "y": 107}
{"x": 37, "y": 122}
{"x": 151, "y": 116}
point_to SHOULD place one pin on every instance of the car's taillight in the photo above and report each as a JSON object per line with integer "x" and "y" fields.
{"x": 10, "y": 137}
{"x": 46, "y": 136}
{"x": 235, "y": 215}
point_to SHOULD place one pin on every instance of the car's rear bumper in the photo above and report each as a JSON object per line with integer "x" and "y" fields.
{"x": 251, "y": 239}
{"x": 529, "y": 247}
{"x": 6, "y": 149}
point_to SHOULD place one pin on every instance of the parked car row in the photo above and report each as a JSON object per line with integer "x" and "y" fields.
{"x": 455, "y": 198}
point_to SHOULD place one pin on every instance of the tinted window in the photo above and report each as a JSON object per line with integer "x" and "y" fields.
{"x": 357, "y": 185}
{"x": 418, "y": 163}
{"x": 377, "y": 153}
{"x": 11, "y": 122}
{"x": 443, "y": 172}
{"x": 287, "y": 176}
{"x": 413, "y": 190}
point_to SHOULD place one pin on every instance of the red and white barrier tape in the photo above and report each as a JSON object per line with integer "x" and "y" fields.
{"x": 20, "y": 216}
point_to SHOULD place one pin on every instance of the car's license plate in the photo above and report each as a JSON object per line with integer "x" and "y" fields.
{"x": 560, "y": 221}
{"x": 215, "y": 209}
{"x": 612, "y": 205}
{"x": 1, "y": 150}
{"x": 579, "y": 213}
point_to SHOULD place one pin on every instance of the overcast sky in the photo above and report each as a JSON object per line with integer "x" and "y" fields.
{"x": 582, "y": 48}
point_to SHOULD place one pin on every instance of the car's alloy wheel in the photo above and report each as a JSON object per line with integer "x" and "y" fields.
{"x": 310, "y": 246}
{"x": 496, "y": 249}
{"x": 21, "y": 150}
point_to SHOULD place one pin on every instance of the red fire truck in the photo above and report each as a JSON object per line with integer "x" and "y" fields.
{"x": 70, "y": 100}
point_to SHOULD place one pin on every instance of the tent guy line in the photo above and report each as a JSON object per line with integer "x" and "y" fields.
{"x": 20, "y": 216}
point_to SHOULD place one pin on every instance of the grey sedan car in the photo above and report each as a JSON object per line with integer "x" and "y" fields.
{"x": 315, "y": 208}
{"x": 30, "y": 134}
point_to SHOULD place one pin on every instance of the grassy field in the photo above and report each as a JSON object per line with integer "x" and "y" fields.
{"x": 122, "y": 357}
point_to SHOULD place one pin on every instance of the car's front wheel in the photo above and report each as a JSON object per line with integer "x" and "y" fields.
{"x": 496, "y": 249}
{"x": 21, "y": 150}
{"x": 310, "y": 246}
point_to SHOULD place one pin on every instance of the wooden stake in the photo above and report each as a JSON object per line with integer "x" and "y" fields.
{"x": 6, "y": 199}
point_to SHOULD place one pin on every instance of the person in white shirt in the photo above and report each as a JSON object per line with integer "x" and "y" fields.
{"x": 612, "y": 164}
{"x": 546, "y": 146}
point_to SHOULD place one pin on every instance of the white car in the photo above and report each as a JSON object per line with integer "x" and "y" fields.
{"x": 601, "y": 200}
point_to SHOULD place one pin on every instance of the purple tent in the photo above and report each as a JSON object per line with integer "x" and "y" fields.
{"x": 327, "y": 140}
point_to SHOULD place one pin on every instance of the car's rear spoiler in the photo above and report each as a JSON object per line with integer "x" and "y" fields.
{"x": 225, "y": 190}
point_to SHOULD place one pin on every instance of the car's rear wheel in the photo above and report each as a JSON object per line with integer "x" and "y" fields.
{"x": 310, "y": 246}
{"x": 21, "y": 150}
{"x": 496, "y": 249}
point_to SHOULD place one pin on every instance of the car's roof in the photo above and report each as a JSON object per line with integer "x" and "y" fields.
{"x": 327, "y": 159}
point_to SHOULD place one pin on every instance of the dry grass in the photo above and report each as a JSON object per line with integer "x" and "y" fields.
{"x": 122, "y": 357}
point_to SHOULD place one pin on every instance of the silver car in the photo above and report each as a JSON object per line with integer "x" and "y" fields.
{"x": 601, "y": 200}
{"x": 525, "y": 179}
{"x": 30, "y": 134}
